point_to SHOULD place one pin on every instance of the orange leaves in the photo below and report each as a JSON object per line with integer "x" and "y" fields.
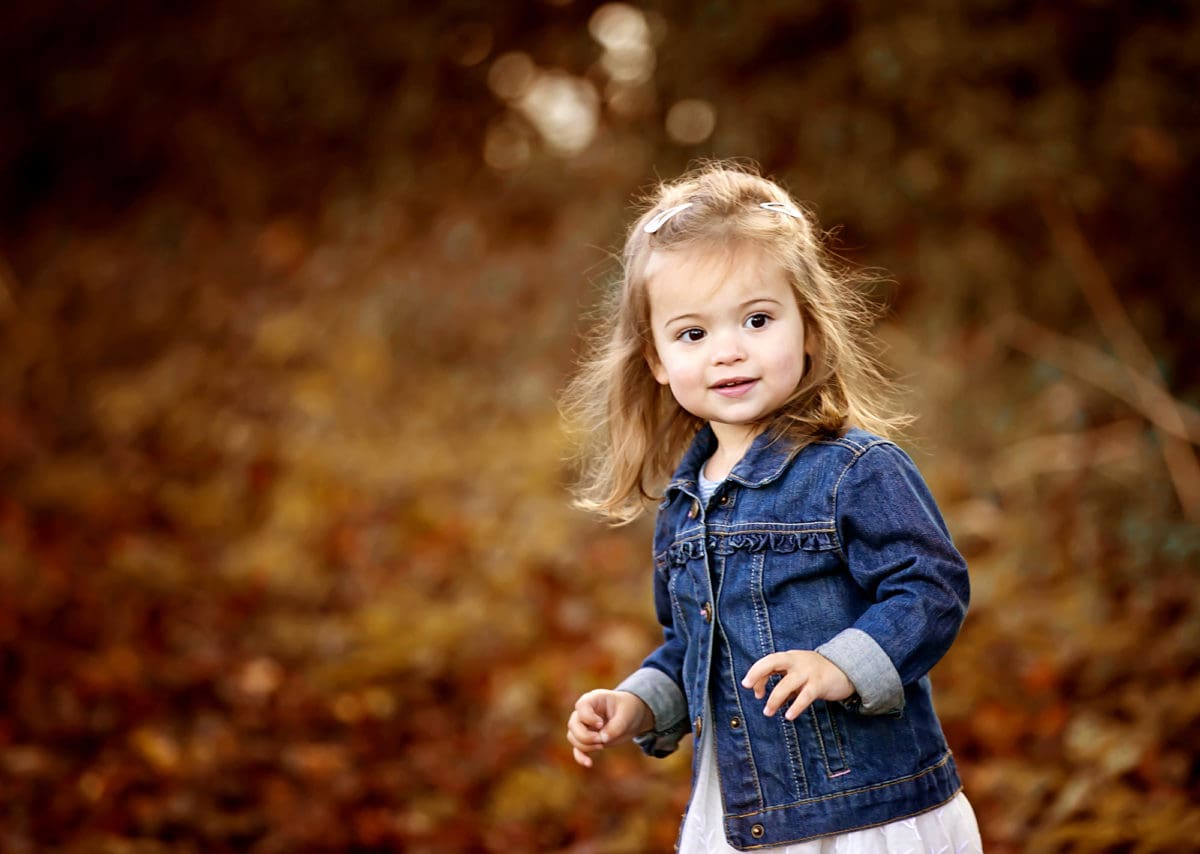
{"x": 285, "y": 558}
{"x": 157, "y": 748}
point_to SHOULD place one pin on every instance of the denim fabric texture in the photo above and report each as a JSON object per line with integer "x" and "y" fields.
{"x": 837, "y": 547}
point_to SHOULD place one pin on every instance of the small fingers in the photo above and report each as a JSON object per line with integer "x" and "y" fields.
{"x": 581, "y": 735}
{"x": 803, "y": 701}
{"x": 580, "y": 750}
{"x": 758, "y": 674}
{"x": 761, "y": 669}
{"x": 788, "y": 687}
{"x": 587, "y": 713}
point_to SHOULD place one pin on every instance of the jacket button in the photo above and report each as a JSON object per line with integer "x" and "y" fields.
{"x": 735, "y": 722}
{"x": 706, "y": 612}
{"x": 697, "y": 726}
{"x": 694, "y": 510}
{"x": 757, "y": 831}
{"x": 723, "y": 500}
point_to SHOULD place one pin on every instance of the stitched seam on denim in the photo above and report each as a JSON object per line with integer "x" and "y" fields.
{"x": 800, "y": 839}
{"x": 705, "y": 674}
{"x": 795, "y": 754}
{"x": 837, "y": 735}
{"x": 774, "y": 528}
{"x": 771, "y": 476}
{"x": 763, "y": 628}
{"x": 766, "y": 480}
{"x": 811, "y": 714}
{"x": 843, "y": 759}
{"x": 858, "y": 447}
{"x": 766, "y": 641}
{"x": 676, "y": 607}
{"x": 814, "y": 714}
{"x": 830, "y": 772}
{"x": 737, "y": 700}
{"x": 848, "y": 793}
{"x": 837, "y": 486}
{"x": 680, "y": 486}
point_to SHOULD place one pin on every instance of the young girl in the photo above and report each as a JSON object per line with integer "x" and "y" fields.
{"x": 803, "y": 576}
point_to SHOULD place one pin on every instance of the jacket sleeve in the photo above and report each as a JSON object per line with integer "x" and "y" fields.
{"x": 899, "y": 551}
{"x": 659, "y": 681}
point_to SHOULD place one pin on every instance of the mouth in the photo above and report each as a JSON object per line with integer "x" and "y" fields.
{"x": 734, "y": 387}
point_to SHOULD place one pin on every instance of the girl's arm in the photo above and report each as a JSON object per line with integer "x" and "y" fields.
{"x": 659, "y": 681}
{"x": 898, "y": 549}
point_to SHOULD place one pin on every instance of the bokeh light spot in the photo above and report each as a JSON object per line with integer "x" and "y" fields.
{"x": 691, "y": 121}
{"x": 511, "y": 75}
{"x": 625, "y": 36}
{"x": 506, "y": 146}
{"x": 564, "y": 109}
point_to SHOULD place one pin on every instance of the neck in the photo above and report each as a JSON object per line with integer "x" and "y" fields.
{"x": 733, "y": 440}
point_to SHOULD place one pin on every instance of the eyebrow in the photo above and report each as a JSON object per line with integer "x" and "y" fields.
{"x": 747, "y": 304}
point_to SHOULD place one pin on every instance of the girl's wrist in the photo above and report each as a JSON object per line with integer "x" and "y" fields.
{"x": 645, "y": 719}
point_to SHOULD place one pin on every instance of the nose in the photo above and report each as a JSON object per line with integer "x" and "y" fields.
{"x": 727, "y": 348}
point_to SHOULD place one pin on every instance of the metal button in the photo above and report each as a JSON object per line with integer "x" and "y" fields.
{"x": 735, "y": 722}
{"x": 757, "y": 831}
{"x": 706, "y": 612}
{"x": 697, "y": 726}
{"x": 723, "y": 500}
{"x": 694, "y": 509}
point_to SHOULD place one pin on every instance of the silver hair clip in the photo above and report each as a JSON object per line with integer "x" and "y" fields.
{"x": 661, "y": 218}
{"x": 781, "y": 207}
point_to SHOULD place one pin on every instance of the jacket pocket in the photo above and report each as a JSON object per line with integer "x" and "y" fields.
{"x": 829, "y": 736}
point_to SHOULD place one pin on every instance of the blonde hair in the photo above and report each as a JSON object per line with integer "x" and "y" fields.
{"x": 633, "y": 430}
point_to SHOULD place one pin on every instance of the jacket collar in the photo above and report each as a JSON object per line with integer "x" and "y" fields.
{"x": 765, "y": 460}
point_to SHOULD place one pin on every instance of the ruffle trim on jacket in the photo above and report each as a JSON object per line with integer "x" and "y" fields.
{"x": 778, "y": 542}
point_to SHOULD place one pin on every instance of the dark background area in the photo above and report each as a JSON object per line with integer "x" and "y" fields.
{"x": 287, "y": 290}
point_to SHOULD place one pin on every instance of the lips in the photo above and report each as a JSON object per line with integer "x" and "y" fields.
{"x": 734, "y": 386}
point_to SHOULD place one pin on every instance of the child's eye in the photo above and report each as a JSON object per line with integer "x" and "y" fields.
{"x": 758, "y": 320}
{"x": 694, "y": 334}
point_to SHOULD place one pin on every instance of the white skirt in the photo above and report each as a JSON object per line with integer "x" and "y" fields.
{"x": 950, "y": 828}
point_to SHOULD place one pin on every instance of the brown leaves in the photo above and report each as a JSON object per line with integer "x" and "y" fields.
{"x": 285, "y": 558}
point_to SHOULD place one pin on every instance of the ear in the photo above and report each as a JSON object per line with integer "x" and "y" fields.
{"x": 812, "y": 343}
{"x": 656, "y": 365}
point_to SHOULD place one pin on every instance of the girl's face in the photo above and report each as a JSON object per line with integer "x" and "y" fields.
{"x": 728, "y": 336}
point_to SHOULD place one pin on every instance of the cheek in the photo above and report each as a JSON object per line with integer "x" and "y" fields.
{"x": 791, "y": 363}
{"x": 662, "y": 368}
{"x": 675, "y": 372}
{"x": 658, "y": 371}
{"x": 681, "y": 374}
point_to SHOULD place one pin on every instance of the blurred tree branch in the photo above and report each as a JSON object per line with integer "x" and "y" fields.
{"x": 1137, "y": 358}
{"x": 1096, "y": 367}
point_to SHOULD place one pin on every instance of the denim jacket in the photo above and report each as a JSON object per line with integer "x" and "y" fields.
{"x": 837, "y": 547}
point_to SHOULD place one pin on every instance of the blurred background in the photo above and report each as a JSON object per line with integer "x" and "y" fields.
{"x": 287, "y": 291}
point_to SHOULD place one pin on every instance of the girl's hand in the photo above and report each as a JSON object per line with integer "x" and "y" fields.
{"x": 807, "y": 676}
{"x": 604, "y": 718}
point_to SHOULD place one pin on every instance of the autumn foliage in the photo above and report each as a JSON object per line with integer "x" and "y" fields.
{"x": 287, "y": 291}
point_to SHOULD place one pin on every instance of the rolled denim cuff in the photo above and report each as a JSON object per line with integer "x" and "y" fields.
{"x": 669, "y": 706}
{"x": 876, "y": 679}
